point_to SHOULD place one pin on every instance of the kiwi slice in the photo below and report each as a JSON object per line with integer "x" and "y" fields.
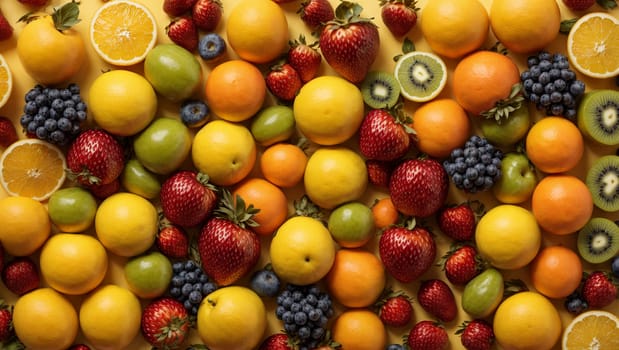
{"x": 598, "y": 241}
{"x": 598, "y": 116}
{"x": 380, "y": 90}
{"x": 603, "y": 182}
{"x": 422, "y": 75}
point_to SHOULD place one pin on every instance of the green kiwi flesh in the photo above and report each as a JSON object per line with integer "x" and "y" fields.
{"x": 421, "y": 75}
{"x": 380, "y": 90}
{"x": 603, "y": 182}
{"x": 598, "y": 241}
{"x": 598, "y": 116}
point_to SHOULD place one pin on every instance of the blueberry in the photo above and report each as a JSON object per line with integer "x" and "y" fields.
{"x": 314, "y": 315}
{"x": 65, "y": 94}
{"x": 31, "y": 107}
{"x": 544, "y": 78}
{"x": 53, "y": 93}
{"x": 614, "y": 266}
{"x": 74, "y": 88}
{"x": 545, "y": 65}
{"x": 532, "y": 61}
{"x": 570, "y": 113}
{"x": 194, "y": 113}
{"x": 288, "y": 317}
{"x": 560, "y": 85}
{"x": 575, "y": 304}
{"x": 70, "y": 113}
{"x": 32, "y": 127}
{"x": 557, "y": 109}
{"x": 568, "y": 74}
{"x": 41, "y": 132}
{"x": 25, "y": 119}
{"x": 537, "y": 88}
{"x": 175, "y": 292}
{"x": 195, "y": 297}
{"x": 208, "y": 288}
{"x": 41, "y": 100}
{"x": 50, "y": 125}
{"x": 191, "y": 277}
{"x": 57, "y": 104}
{"x": 577, "y": 88}
{"x": 186, "y": 289}
{"x": 300, "y": 318}
{"x": 190, "y": 265}
{"x": 304, "y": 332}
{"x": 394, "y": 347}
{"x": 295, "y": 307}
{"x": 211, "y": 46}
{"x": 544, "y": 55}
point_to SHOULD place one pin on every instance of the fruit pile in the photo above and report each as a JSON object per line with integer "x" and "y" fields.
{"x": 309, "y": 174}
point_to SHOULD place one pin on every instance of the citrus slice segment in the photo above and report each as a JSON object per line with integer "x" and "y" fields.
{"x": 421, "y": 75}
{"x": 32, "y": 168}
{"x": 594, "y": 329}
{"x": 593, "y": 45}
{"x": 122, "y": 32}
{"x": 6, "y": 81}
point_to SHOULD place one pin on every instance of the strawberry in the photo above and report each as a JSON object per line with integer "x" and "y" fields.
{"x": 418, "y": 187}
{"x": 33, "y": 2}
{"x": 304, "y": 58}
{"x": 384, "y": 134}
{"x": 599, "y": 289}
{"x": 379, "y": 172}
{"x": 95, "y": 157}
{"x": 8, "y": 133}
{"x": 458, "y": 221}
{"x": 276, "y": 341}
{"x": 399, "y": 16}
{"x": 476, "y": 335}
{"x": 579, "y": 5}
{"x": 20, "y": 275}
{"x": 103, "y": 191}
{"x": 283, "y": 81}
{"x": 206, "y": 14}
{"x": 427, "y": 335}
{"x": 187, "y": 198}
{"x": 79, "y": 347}
{"x": 165, "y": 323}
{"x": 461, "y": 264}
{"x": 6, "y": 321}
{"x": 6, "y": 29}
{"x": 228, "y": 248}
{"x": 350, "y": 43}
{"x": 183, "y": 32}
{"x": 395, "y": 308}
{"x": 175, "y": 8}
{"x": 172, "y": 241}
{"x": 407, "y": 251}
{"x": 315, "y": 13}
{"x": 437, "y": 299}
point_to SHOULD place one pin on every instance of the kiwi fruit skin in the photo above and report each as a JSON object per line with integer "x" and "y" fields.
{"x": 380, "y": 90}
{"x": 421, "y": 78}
{"x": 603, "y": 182}
{"x": 598, "y": 116}
{"x": 598, "y": 240}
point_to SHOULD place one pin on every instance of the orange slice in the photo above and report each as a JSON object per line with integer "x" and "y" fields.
{"x": 6, "y": 81}
{"x": 122, "y": 32}
{"x": 593, "y": 45}
{"x": 593, "y": 329}
{"x": 32, "y": 168}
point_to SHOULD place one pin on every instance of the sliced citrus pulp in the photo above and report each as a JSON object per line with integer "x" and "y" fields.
{"x": 32, "y": 168}
{"x": 593, "y": 45}
{"x": 421, "y": 75}
{"x": 595, "y": 329}
{"x": 122, "y": 32}
{"x": 6, "y": 81}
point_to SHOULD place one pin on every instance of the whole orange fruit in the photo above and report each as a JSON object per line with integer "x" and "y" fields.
{"x": 554, "y": 145}
{"x": 556, "y": 271}
{"x": 283, "y": 164}
{"x": 384, "y": 212}
{"x": 270, "y": 199}
{"x": 359, "y": 329}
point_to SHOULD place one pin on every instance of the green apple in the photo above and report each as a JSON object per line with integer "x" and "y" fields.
{"x": 273, "y": 124}
{"x": 507, "y": 132}
{"x": 139, "y": 180}
{"x": 173, "y": 71}
{"x": 163, "y": 146}
{"x": 148, "y": 275}
{"x": 72, "y": 209}
{"x": 518, "y": 179}
{"x": 351, "y": 224}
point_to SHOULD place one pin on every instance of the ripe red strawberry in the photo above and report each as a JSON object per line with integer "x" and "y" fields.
{"x": 437, "y": 299}
{"x": 276, "y": 341}
{"x": 20, "y": 275}
{"x": 6, "y": 321}
{"x": 395, "y": 308}
{"x": 304, "y": 58}
{"x": 103, "y": 191}
{"x": 399, "y": 16}
{"x": 599, "y": 289}
{"x": 172, "y": 241}
{"x": 175, "y": 8}
{"x": 165, "y": 323}
{"x": 79, "y": 347}
{"x": 95, "y": 157}
{"x": 206, "y": 14}
{"x": 8, "y": 133}
{"x": 315, "y": 13}
{"x": 187, "y": 198}
{"x": 379, "y": 172}
{"x": 183, "y": 32}
{"x": 228, "y": 248}
{"x": 579, "y": 5}
{"x": 461, "y": 264}
{"x": 418, "y": 187}
{"x": 457, "y": 221}
{"x": 384, "y": 134}
{"x": 33, "y": 2}
{"x": 6, "y": 29}
{"x": 283, "y": 81}
{"x": 476, "y": 335}
{"x": 427, "y": 335}
{"x": 350, "y": 43}
{"x": 407, "y": 252}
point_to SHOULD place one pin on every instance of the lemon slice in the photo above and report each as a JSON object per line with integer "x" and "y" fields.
{"x": 593, "y": 45}
{"x": 32, "y": 168}
{"x": 122, "y": 32}
{"x": 593, "y": 329}
{"x": 6, "y": 81}
{"x": 421, "y": 75}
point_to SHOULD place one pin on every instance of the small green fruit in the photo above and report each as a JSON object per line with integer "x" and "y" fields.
{"x": 139, "y": 180}
{"x": 273, "y": 124}
{"x": 72, "y": 209}
{"x": 483, "y": 294}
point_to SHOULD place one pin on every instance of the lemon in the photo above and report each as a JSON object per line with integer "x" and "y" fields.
{"x": 45, "y": 320}
{"x": 593, "y": 45}
{"x": 126, "y": 224}
{"x": 593, "y": 329}
{"x": 25, "y": 225}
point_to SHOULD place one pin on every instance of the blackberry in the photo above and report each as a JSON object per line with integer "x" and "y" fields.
{"x": 474, "y": 167}
{"x": 189, "y": 285}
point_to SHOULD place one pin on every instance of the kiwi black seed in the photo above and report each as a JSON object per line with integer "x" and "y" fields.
{"x": 598, "y": 241}
{"x": 598, "y": 116}
{"x": 603, "y": 182}
{"x": 380, "y": 90}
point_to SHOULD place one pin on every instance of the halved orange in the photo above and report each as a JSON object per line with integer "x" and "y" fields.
{"x": 594, "y": 329}
{"x": 32, "y": 168}
{"x": 122, "y": 32}
{"x": 6, "y": 81}
{"x": 593, "y": 45}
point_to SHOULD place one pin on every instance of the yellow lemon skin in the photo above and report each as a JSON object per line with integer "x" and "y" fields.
{"x": 25, "y": 225}
{"x": 73, "y": 264}
{"x": 328, "y": 110}
{"x": 110, "y": 317}
{"x": 508, "y": 236}
{"x": 527, "y": 321}
{"x": 126, "y": 224}
{"x": 45, "y": 320}
{"x": 225, "y": 151}
{"x": 232, "y": 317}
{"x": 302, "y": 250}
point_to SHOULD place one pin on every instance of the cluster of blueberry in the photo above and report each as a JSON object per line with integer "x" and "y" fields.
{"x": 551, "y": 85}
{"x": 190, "y": 285}
{"x": 475, "y": 166}
{"x": 54, "y": 114}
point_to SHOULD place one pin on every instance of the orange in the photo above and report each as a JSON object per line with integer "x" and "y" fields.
{"x": 6, "y": 81}
{"x": 593, "y": 45}
{"x": 592, "y": 327}
{"x": 554, "y": 145}
{"x": 25, "y": 225}
{"x": 235, "y": 90}
{"x": 270, "y": 199}
{"x": 556, "y": 271}
{"x": 357, "y": 277}
{"x": 384, "y": 212}
{"x": 482, "y": 79}
{"x": 359, "y": 329}
{"x": 561, "y": 204}
{"x": 440, "y": 126}
{"x": 283, "y": 164}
